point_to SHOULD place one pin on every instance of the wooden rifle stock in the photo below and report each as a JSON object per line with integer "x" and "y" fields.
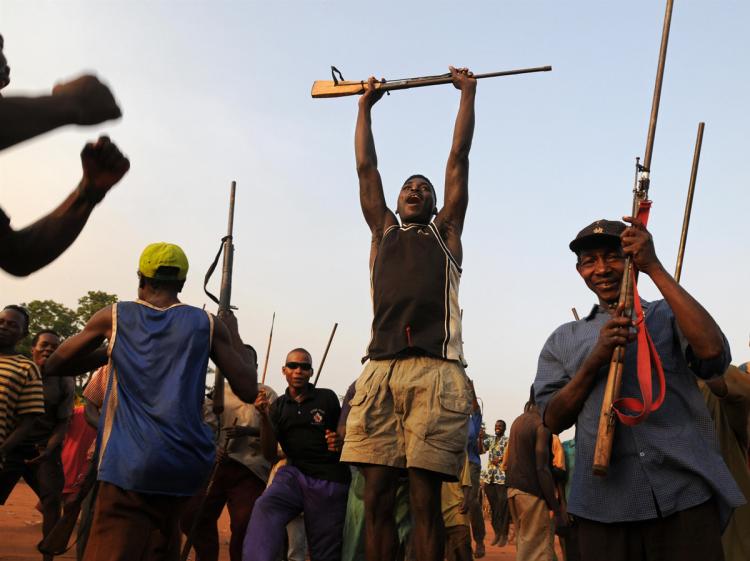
{"x": 341, "y": 88}
{"x": 689, "y": 202}
{"x": 607, "y": 417}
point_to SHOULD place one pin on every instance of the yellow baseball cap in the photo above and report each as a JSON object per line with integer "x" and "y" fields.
{"x": 162, "y": 254}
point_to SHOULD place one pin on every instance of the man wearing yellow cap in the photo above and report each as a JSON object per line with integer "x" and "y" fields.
{"x": 155, "y": 449}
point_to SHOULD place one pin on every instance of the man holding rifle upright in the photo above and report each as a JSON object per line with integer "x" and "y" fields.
{"x": 155, "y": 451}
{"x": 411, "y": 405}
{"x": 667, "y": 493}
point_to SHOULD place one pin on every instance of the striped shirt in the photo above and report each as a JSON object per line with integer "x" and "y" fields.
{"x": 21, "y": 392}
{"x": 666, "y": 464}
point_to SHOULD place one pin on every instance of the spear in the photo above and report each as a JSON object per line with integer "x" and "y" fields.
{"x": 268, "y": 350}
{"x": 689, "y": 202}
{"x": 325, "y": 354}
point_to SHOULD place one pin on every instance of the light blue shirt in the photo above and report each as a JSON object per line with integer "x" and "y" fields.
{"x": 668, "y": 463}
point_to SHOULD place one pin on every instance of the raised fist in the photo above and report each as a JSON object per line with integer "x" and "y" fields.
{"x": 103, "y": 166}
{"x": 91, "y": 102}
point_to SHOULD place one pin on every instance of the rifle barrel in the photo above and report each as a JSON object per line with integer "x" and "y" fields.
{"x": 689, "y": 202}
{"x": 447, "y": 79}
{"x": 225, "y": 297}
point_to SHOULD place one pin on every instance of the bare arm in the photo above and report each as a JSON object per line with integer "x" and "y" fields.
{"x": 450, "y": 219}
{"x": 543, "y": 471}
{"x": 25, "y": 251}
{"x": 269, "y": 445}
{"x": 696, "y": 324}
{"x": 91, "y": 414}
{"x": 563, "y": 409}
{"x": 83, "y": 101}
{"x": 371, "y": 197}
{"x": 234, "y": 360}
{"x": 21, "y": 431}
{"x": 82, "y": 352}
{"x": 58, "y": 434}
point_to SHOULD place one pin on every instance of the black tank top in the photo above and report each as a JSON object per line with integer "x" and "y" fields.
{"x": 414, "y": 283}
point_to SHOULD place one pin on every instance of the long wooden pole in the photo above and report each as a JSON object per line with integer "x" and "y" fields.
{"x": 689, "y": 202}
{"x": 607, "y": 417}
{"x": 325, "y": 354}
{"x": 268, "y": 350}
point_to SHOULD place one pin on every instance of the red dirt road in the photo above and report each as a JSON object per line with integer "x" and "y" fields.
{"x": 21, "y": 530}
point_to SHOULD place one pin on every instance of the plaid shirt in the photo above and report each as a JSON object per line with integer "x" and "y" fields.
{"x": 666, "y": 464}
{"x": 495, "y": 445}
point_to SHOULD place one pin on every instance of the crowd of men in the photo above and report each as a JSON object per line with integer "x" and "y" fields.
{"x": 395, "y": 471}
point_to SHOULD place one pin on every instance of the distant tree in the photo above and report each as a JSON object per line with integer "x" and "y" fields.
{"x": 92, "y": 302}
{"x": 48, "y": 314}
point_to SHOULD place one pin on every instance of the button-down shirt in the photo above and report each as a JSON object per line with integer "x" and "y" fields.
{"x": 495, "y": 446}
{"x": 666, "y": 464}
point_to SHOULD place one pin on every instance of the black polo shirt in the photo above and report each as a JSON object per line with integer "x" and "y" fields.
{"x": 300, "y": 428}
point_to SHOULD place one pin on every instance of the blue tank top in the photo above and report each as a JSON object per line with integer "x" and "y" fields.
{"x": 153, "y": 438}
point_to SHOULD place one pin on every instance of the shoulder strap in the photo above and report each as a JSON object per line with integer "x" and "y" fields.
{"x": 648, "y": 359}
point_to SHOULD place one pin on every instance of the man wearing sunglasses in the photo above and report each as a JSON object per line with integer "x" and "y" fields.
{"x": 411, "y": 407}
{"x": 303, "y": 421}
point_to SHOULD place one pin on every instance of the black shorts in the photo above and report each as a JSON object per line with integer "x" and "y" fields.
{"x": 46, "y": 478}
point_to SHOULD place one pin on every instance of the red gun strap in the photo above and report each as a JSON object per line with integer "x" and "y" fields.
{"x": 646, "y": 357}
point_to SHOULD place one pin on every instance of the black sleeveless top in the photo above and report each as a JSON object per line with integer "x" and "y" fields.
{"x": 414, "y": 283}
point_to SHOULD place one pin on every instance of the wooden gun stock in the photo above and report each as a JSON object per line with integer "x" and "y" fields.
{"x": 341, "y": 88}
{"x": 607, "y": 419}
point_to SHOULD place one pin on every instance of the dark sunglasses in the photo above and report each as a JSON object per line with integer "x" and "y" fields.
{"x": 301, "y": 365}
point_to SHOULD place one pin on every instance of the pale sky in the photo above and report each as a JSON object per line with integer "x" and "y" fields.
{"x": 216, "y": 91}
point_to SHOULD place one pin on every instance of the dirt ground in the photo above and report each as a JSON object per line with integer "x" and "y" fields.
{"x": 21, "y": 530}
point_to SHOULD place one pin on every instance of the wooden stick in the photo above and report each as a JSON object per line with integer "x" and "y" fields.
{"x": 268, "y": 349}
{"x": 689, "y": 202}
{"x": 575, "y": 313}
{"x": 325, "y": 354}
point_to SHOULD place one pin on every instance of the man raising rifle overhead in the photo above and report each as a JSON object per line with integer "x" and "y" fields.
{"x": 412, "y": 401}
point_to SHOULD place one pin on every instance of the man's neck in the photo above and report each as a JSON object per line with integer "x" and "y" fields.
{"x": 608, "y": 306}
{"x": 298, "y": 394}
{"x": 8, "y": 350}
{"x": 159, "y": 299}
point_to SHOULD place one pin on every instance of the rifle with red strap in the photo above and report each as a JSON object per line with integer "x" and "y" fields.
{"x": 630, "y": 410}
